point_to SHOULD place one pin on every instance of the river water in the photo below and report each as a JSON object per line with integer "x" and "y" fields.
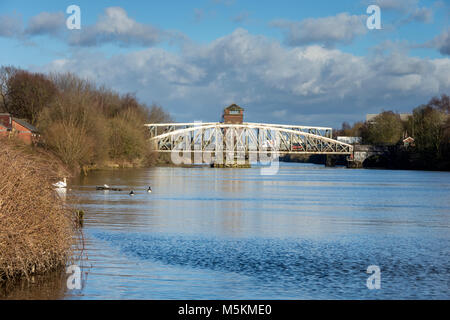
{"x": 308, "y": 232}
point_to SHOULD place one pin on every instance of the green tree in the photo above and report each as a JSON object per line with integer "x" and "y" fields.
{"x": 428, "y": 127}
{"x": 126, "y": 140}
{"x": 387, "y": 129}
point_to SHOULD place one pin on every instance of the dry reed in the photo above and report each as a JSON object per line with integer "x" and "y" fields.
{"x": 37, "y": 230}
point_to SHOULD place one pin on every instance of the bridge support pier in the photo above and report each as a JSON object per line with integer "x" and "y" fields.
{"x": 234, "y": 164}
{"x": 231, "y": 165}
{"x": 361, "y": 153}
{"x": 354, "y": 164}
{"x": 330, "y": 160}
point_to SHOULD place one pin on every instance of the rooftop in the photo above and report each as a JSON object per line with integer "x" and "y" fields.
{"x": 234, "y": 107}
{"x": 26, "y": 125}
{"x": 22, "y": 122}
{"x": 371, "y": 116}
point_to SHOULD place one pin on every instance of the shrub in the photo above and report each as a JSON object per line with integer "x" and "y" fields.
{"x": 36, "y": 228}
{"x": 126, "y": 140}
{"x": 71, "y": 143}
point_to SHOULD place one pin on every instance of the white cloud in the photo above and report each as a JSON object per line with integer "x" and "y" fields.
{"x": 328, "y": 31}
{"x": 441, "y": 42}
{"x": 397, "y": 5}
{"x": 114, "y": 25}
{"x": 10, "y": 26}
{"x": 311, "y": 85}
{"x": 46, "y": 23}
{"x": 423, "y": 14}
{"x": 409, "y": 10}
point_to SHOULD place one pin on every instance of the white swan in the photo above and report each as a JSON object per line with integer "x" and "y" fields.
{"x": 106, "y": 186}
{"x": 61, "y": 192}
{"x": 61, "y": 184}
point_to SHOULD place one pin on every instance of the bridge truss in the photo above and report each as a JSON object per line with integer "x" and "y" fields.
{"x": 245, "y": 138}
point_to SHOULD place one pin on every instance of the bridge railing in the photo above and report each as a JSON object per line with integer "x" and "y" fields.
{"x": 161, "y": 128}
{"x": 246, "y": 137}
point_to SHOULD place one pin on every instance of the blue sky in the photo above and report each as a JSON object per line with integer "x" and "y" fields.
{"x": 302, "y": 62}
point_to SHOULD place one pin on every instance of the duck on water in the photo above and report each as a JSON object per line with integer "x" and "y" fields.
{"x": 106, "y": 187}
{"x": 149, "y": 190}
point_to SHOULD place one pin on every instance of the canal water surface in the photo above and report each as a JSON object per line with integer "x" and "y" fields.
{"x": 308, "y": 232}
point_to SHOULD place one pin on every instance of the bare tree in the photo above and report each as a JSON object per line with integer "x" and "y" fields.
{"x": 6, "y": 72}
{"x": 28, "y": 94}
{"x": 158, "y": 115}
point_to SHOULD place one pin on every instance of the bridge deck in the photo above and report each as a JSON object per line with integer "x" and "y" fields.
{"x": 213, "y": 137}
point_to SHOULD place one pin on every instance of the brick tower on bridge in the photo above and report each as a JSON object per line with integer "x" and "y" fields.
{"x": 233, "y": 114}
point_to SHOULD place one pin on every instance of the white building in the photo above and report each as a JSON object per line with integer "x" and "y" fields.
{"x": 370, "y": 117}
{"x": 350, "y": 140}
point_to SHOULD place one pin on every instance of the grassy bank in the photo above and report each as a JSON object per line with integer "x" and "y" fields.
{"x": 37, "y": 230}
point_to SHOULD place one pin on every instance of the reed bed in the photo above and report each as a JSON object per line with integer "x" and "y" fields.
{"x": 37, "y": 229}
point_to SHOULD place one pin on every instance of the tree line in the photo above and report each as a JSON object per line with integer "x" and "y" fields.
{"x": 428, "y": 125}
{"x": 82, "y": 123}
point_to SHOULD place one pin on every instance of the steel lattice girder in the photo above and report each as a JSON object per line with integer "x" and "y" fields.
{"x": 247, "y": 137}
{"x": 161, "y": 128}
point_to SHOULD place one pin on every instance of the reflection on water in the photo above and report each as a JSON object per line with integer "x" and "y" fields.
{"x": 307, "y": 232}
{"x": 40, "y": 287}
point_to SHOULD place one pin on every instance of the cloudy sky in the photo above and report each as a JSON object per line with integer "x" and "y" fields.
{"x": 294, "y": 62}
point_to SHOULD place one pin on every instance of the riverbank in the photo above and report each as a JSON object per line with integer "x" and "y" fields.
{"x": 400, "y": 158}
{"x": 392, "y": 158}
{"x": 38, "y": 229}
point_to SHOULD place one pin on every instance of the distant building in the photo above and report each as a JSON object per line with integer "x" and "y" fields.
{"x": 14, "y": 127}
{"x": 233, "y": 114}
{"x": 349, "y": 140}
{"x": 370, "y": 117}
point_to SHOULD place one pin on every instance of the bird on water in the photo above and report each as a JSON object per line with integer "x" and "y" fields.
{"x": 149, "y": 190}
{"x": 61, "y": 184}
{"x": 131, "y": 193}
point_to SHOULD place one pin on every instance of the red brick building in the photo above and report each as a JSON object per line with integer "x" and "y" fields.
{"x": 14, "y": 127}
{"x": 233, "y": 114}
